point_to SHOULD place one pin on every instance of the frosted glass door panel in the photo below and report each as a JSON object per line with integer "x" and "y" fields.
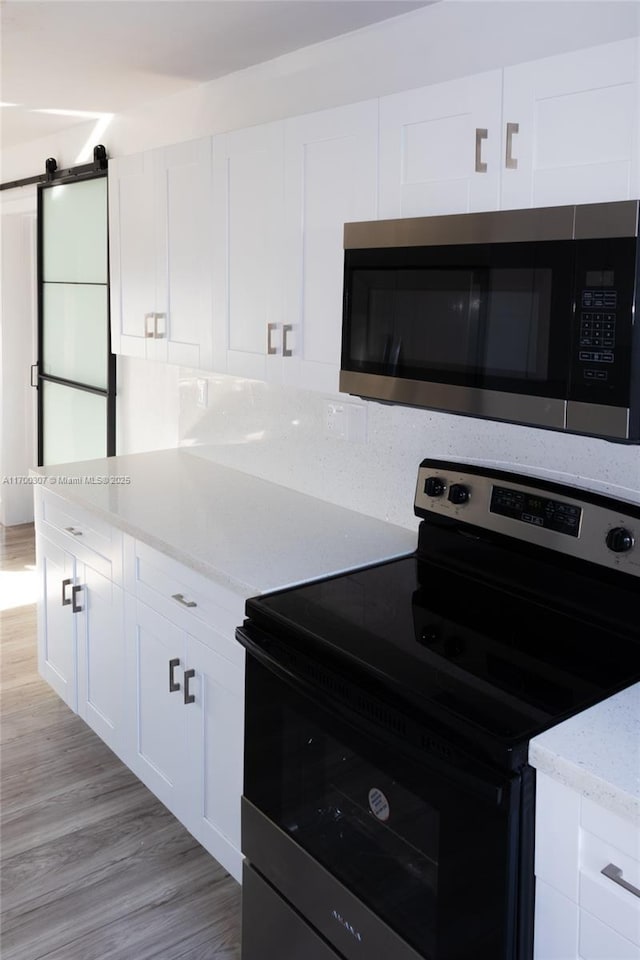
{"x": 74, "y": 424}
{"x": 75, "y": 238}
{"x": 75, "y": 334}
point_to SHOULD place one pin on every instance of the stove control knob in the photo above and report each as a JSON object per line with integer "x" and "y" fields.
{"x": 620, "y": 540}
{"x": 434, "y": 487}
{"x": 458, "y": 493}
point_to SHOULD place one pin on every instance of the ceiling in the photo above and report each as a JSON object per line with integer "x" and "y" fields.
{"x": 107, "y": 56}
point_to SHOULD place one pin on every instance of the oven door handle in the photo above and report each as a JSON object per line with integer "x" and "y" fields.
{"x": 499, "y": 791}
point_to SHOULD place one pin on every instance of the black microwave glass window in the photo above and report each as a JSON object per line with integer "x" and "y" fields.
{"x": 492, "y": 316}
{"x": 479, "y": 322}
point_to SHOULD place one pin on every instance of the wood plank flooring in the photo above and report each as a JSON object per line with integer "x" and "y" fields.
{"x": 92, "y": 866}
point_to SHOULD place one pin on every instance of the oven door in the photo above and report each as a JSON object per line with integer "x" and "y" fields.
{"x": 388, "y": 841}
{"x": 475, "y": 328}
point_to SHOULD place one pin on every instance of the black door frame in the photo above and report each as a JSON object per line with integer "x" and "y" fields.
{"x": 110, "y": 392}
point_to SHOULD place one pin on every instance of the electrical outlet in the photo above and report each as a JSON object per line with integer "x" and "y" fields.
{"x": 336, "y": 420}
{"x": 202, "y": 393}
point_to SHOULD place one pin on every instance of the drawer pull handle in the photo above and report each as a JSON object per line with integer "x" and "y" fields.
{"x": 74, "y": 593}
{"x": 286, "y": 349}
{"x": 188, "y": 697}
{"x": 180, "y": 598}
{"x": 65, "y": 599}
{"x": 72, "y": 530}
{"x": 611, "y": 872}
{"x": 173, "y": 686}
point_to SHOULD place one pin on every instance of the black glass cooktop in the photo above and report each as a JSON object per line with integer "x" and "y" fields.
{"x": 495, "y": 663}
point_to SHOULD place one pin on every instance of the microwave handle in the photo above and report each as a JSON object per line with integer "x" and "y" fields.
{"x": 481, "y": 134}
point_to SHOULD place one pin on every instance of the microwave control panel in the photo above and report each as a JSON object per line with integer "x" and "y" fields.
{"x": 603, "y": 321}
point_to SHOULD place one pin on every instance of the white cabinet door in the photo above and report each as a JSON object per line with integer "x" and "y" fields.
{"x": 578, "y": 121}
{"x": 331, "y": 175}
{"x": 156, "y": 715}
{"x": 161, "y": 254}
{"x": 248, "y": 216}
{"x": 184, "y": 251}
{"x": 215, "y": 738}
{"x": 440, "y": 148}
{"x": 132, "y": 252}
{"x": 56, "y": 620}
{"x": 101, "y": 656}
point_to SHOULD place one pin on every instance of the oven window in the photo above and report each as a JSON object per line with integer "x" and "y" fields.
{"x": 497, "y": 318}
{"x": 412, "y": 846}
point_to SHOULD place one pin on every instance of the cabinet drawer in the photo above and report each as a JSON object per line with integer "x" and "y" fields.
{"x": 600, "y": 942}
{"x": 185, "y": 597}
{"x": 600, "y": 895}
{"x": 90, "y": 539}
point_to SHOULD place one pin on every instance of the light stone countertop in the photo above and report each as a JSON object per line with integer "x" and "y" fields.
{"x": 597, "y": 753}
{"x": 248, "y": 535}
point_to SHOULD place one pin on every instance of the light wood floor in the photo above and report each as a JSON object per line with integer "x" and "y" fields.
{"x": 93, "y": 867}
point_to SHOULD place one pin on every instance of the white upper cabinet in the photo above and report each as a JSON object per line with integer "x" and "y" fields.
{"x": 161, "y": 254}
{"x": 330, "y": 176}
{"x": 577, "y": 119}
{"x": 440, "y": 148}
{"x": 247, "y": 216}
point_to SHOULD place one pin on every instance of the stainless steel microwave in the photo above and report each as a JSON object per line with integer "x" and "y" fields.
{"x": 525, "y": 316}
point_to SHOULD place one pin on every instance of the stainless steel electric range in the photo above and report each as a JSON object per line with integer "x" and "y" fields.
{"x": 388, "y": 808}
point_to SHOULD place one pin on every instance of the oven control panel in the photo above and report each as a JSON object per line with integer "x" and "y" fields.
{"x": 559, "y": 517}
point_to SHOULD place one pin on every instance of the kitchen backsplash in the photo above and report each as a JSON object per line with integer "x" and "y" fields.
{"x": 282, "y": 435}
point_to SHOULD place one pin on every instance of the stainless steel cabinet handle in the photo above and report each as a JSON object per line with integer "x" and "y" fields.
{"x": 271, "y": 349}
{"x": 481, "y": 134}
{"x": 156, "y": 334}
{"x": 188, "y": 697}
{"x": 34, "y": 366}
{"x": 74, "y": 593}
{"x": 286, "y": 330}
{"x": 173, "y": 686}
{"x": 76, "y": 533}
{"x": 66, "y": 600}
{"x": 611, "y": 872}
{"x": 511, "y": 162}
{"x": 185, "y": 603}
{"x": 149, "y": 320}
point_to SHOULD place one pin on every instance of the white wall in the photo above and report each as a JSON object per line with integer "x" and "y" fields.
{"x": 252, "y": 426}
{"x": 17, "y": 339}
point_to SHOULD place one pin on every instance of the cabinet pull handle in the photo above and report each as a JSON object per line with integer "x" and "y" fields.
{"x": 74, "y": 593}
{"x": 611, "y": 872}
{"x": 149, "y": 318}
{"x": 180, "y": 598}
{"x": 156, "y": 317}
{"x": 188, "y": 697}
{"x": 271, "y": 349}
{"x": 511, "y": 162}
{"x": 65, "y": 600}
{"x": 34, "y": 366}
{"x": 72, "y": 530}
{"x": 173, "y": 686}
{"x": 286, "y": 330}
{"x": 481, "y": 134}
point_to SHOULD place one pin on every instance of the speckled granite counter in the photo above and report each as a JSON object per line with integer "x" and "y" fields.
{"x": 247, "y": 534}
{"x": 597, "y": 753}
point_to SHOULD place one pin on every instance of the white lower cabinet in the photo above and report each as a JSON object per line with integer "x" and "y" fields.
{"x": 57, "y": 634}
{"x": 586, "y": 858}
{"x": 163, "y": 686}
{"x": 185, "y": 706}
{"x": 81, "y": 639}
